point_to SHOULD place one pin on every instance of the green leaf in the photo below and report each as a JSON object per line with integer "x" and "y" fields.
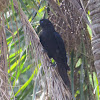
{"x": 96, "y": 85}
{"x": 72, "y": 74}
{"x": 27, "y": 83}
{"x": 15, "y": 64}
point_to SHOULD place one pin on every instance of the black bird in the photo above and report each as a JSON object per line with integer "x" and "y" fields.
{"x": 55, "y": 48}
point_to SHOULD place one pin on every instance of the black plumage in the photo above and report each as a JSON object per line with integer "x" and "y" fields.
{"x": 55, "y": 48}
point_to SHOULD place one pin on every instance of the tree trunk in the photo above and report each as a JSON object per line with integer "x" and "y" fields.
{"x": 3, "y": 64}
{"x": 56, "y": 89}
{"x": 4, "y": 95}
{"x": 94, "y": 7}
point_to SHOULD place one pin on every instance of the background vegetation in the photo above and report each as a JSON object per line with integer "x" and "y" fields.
{"x": 25, "y": 76}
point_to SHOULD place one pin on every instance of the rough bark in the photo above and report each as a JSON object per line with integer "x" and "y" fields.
{"x": 3, "y": 5}
{"x": 74, "y": 35}
{"x": 75, "y": 18}
{"x": 94, "y": 7}
{"x": 3, "y": 64}
{"x": 4, "y": 93}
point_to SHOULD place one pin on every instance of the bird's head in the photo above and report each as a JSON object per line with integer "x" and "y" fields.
{"x": 45, "y": 23}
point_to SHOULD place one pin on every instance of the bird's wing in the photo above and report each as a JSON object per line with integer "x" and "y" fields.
{"x": 62, "y": 50}
{"x": 60, "y": 43}
{"x": 41, "y": 39}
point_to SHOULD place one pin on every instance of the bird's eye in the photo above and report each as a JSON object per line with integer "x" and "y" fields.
{"x": 41, "y": 22}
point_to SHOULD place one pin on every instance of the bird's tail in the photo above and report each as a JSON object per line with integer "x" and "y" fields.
{"x": 63, "y": 73}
